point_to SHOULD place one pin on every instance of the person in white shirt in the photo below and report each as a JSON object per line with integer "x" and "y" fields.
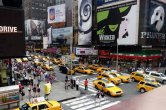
{"x": 77, "y": 84}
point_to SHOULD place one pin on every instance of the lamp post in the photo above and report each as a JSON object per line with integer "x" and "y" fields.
{"x": 117, "y": 53}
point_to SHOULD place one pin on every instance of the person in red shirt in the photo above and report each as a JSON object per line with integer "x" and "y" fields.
{"x": 86, "y": 84}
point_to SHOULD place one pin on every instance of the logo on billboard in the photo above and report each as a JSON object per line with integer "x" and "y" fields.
{"x": 158, "y": 17}
{"x": 8, "y": 29}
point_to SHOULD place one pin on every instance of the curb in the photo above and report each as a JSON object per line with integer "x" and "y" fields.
{"x": 66, "y": 99}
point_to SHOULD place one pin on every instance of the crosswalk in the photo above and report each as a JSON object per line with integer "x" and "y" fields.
{"x": 90, "y": 85}
{"x": 89, "y": 102}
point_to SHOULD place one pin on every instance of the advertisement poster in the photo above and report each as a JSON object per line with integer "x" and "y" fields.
{"x": 62, "y": 35}
{"x": 56, "y": 13}
{"x": 12, "y": 32}
{"x": 117, "y": 22}
{"x": 86, "y": 51}
{"x": 84, "y": 22}
{"x": 35, "y": 29}
{"x": 153, "y": 25}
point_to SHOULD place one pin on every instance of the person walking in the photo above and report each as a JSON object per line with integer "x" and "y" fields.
{"x": 86, "y": 84}
{"x": 29, "y": 90}
{"x": 74, "y": 81}
{"x": 71, "y": 83}
{"x": 34, "y": 90}
{"x": 98, "y": 94}
{"x": 77, "y": 84}
{"x": 38, "y": 90}
{"x": 22, "y": 94}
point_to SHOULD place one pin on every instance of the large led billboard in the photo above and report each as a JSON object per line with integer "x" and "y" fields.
{"x": 12, "y": 38}
{"x": 62, "y": 35}
{"x": 84, "y": 22}
{"x": 118, "y": 21}
{"x": 34, "y": 29}
{"x": 152, "y": 26}
{"x": 56, "y": 13}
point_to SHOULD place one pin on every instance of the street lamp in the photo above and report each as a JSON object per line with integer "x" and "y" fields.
{"x": 117, "y": 53}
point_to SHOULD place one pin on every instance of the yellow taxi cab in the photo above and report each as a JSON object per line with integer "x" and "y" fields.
{"x": 18, "y": 60}
{"x": 47, "y": 67}
{"x": 84, "y": 70}
{"x": 109, "y": 77}
{"x": 101, "y": 69}
{"x": 40, "y": 104}
{"x": 147, "y": 85}
{"x": 108, "y": 87}
{"x": 94, "y": 66}
{"x": 38, "y": 63}
{"x": 25, "y": 59}
{"x": 124, "y": 78}
{"x": 136, "y": 76}
{"x": 56, "y": 61}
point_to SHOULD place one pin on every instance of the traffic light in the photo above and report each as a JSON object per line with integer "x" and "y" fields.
{"x": 12, "y": 3}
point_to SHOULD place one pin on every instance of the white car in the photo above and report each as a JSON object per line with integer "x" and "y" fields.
{"x": 160, "y": 77}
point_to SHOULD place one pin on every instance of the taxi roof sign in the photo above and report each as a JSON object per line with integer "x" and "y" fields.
{"x": 38, "y": 100}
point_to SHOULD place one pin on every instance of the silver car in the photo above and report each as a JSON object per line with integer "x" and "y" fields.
{"x": 160, "y": 77}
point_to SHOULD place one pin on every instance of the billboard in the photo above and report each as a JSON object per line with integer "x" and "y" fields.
{"x": 86, "y": 51}
{"x": 12, "y": 33}
{"x": 56, "y": 14}
{"x": 152, "y": 23}
{"x": 62, "y": 35}
{"x": 35, "y": 29}
{"x": 118, "y": 22}
{"x": 84, "y": 22}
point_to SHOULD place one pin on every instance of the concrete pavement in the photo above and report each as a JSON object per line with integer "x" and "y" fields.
{"x": 58, "y": 93}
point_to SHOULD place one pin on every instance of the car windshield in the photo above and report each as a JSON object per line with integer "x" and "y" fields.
{"x": 111, "y": 76}
{"x": 85, "y": 68}
{"x": 105, "y": 80}
{"x": 150, "y": 80}
{"x": 109, "y": 85}
{"x": 118, "y": 74}
{"x": 162, "y": 75}
{"x": 25, "y": 107}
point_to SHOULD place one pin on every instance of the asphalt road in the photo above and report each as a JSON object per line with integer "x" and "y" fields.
{"x": 86, "y": 100}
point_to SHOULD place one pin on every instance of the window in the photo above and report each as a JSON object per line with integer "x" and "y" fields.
{"x": 141, "y": 82}
{"x": 152, "y": 85}
{"x": 34, "y": 108}
{"x": 154, "y": 74}
{"x": 100, "y": 83}
{"x": 140, "y": 75}
{"x": 43, "y": 106}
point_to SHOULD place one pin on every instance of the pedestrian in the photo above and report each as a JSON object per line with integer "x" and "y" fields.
{"x": 74, "y": 81}
{"x": 29, "y": 90}
{"x": 86, "y": 84}
{"x": 47, "y": 89}
{"x": 66, "y": 78}
{"x": 34, "y": 90}
{"x": 22, "y": 94}
{"x": 71, "y": 83}
{"x": 38, "y": 90}
{"x": 77, "y": 84}
{"x": 98, "y": 94}
{"x": 102, "y": 93}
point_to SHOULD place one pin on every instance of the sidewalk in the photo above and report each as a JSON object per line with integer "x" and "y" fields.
{"x": 58, "y": 93}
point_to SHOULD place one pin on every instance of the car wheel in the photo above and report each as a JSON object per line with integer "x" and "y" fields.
{"x": 133, "y": 79}
{"x": 164, "y": 82}
{"x": 142, "y": 90}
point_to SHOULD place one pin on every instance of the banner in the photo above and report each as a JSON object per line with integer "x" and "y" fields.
{"x": 118, "y": 22}
{"x": 62, "y": 35}
{"x": 152, "y": 23}
{"x": 35, "y": 29}
{"x": 56, "y": 13}
{"x": 12, "y": 32}
{"x": 85, "y": 22}
{"x": 86, "y": 51}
